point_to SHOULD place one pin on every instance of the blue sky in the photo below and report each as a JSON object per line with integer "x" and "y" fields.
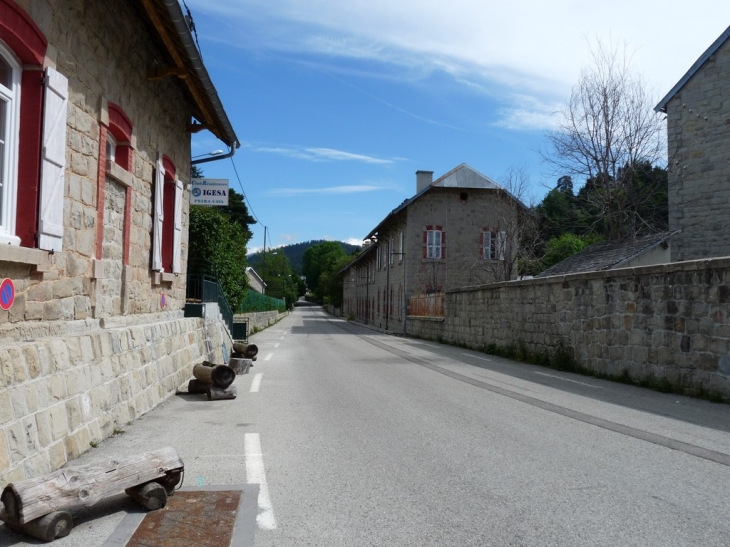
{"x": 338, "y": 103}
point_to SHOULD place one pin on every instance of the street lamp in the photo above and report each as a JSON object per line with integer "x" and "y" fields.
{"x": 213, "y": 153}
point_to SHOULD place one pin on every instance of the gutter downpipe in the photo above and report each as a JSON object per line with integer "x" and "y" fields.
{"x": 387, "y": 284}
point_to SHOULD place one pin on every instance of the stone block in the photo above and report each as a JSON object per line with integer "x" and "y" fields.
{"x": 4, "y": 453}
{"x": 57, "y": 455}
{"x": 58, "y": 387}
{"x": 59, "y": 421}
{"x": 17, "y": 398}
{"x": 6, "y": 407}
{"x": 37, "y": 465}
{"x": 32, "y": 361}
{"x": 16, "y": 442}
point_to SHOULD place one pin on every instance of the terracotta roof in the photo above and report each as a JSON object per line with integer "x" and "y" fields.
{"x": 607, "y": 255}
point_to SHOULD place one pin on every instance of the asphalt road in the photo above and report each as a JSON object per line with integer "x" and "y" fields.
{"x": 357, "y": 438}
{"x": 368, "y": 439}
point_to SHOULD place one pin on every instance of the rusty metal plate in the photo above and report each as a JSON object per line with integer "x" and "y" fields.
{"x": 200, "y": 518}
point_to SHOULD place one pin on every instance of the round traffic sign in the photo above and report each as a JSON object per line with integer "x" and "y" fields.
{"x": 7, "y": 294}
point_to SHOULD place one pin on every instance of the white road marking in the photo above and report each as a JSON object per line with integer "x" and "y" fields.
{"x": 567, "y": 380}
{"x": 255, "y": 474}
{"x": 475, "y": 357}
{"x": 276, "y": 345}
{"x": 256, "y": 384}
{"x": 281, "y": 338}
{"x": 268, "y": 357}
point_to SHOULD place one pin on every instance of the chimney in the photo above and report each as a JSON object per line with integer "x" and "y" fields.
{"x": 423, "y": 180}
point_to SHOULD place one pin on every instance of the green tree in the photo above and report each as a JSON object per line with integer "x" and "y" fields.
{"x": 561, "y": 247}
{"x": 220, "y": 242}
{"x": 607, "y": 131}
{"x": 321, "y": 259}
{"x": 281, "y": 281}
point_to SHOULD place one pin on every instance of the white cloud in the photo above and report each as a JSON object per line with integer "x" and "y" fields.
{"x": 532, "y": 46}
{"x": 319, "y": 154}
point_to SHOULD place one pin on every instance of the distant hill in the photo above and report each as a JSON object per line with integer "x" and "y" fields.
{"x": 295, "y": 253}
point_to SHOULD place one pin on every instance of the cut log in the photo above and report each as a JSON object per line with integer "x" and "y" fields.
{"x": 216, "y": 393}
{"x": 151, "y": 496}
{"x": 196, "y": 386}
{"x": 47, "y": 528}
{"x": 249, "y": 351}
{"x": 240, "y": 366}
{"x": 218, "y": 375}
{"x": 30, "y": 499}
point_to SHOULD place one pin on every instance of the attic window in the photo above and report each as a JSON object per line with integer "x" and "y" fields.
{"x": 463, "y": 196}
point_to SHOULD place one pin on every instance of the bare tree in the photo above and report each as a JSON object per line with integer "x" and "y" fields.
{"x": 607, "y": 131}
{"x": 515, "y": 235}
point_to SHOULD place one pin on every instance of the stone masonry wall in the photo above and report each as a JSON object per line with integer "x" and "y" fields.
{"x": 668, "y": 321}
{"x": 698, "y": 129}
{"x": 78, "y": 382}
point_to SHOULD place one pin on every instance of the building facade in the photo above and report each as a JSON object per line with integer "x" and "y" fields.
{"x": 456, "y": 231}
{"x": 99, "y": 101}
{"x": 698, "y": 135}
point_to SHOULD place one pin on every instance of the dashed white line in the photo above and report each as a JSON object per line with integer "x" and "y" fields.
{"x": 268, "y": 357}
{"x": 256, "y": 383}
{"x": 567, "y": 380}
{"x": 476, "y": 357}
{"x": 255, "y": 474}
{"x": 276, "y": 345}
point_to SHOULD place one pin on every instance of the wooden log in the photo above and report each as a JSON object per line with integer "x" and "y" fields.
{"x": 196, "y": 386}
{"x": 218, "y": 375}
{"x": 151, "y": 496}
{"x": 216, "y": 393}
{"x": 30, "y": 499}
{"x": 249, "y": 351}
{"x": 240, "y": 366}
{"x": 46, "y": 528}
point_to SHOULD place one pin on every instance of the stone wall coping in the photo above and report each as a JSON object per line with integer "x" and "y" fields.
{"x": 56, "y": 329}
{"x": 671, "y": 267}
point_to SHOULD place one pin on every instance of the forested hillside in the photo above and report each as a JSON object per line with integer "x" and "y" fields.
{"x": 295, "y": 253}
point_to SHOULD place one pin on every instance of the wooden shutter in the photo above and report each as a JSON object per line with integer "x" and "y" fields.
{"x": 502, "y": 244}
{"x": 487, "y": 245}
{"x": 177, "y": 233}
{"x": 158, "y": 215}
{"x": 53, "y": 162}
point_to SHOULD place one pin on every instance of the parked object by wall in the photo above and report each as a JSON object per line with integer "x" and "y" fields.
{"x": 665, "y": 321}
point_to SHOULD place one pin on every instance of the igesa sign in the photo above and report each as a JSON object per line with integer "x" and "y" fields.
{"x": 209, "y": 191}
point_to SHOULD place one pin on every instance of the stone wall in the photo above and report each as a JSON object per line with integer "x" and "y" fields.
{"x": 71, "y": 384}
{"x": 668, "y": 321}
{"x": 698, "y": 129}
{"x": 260, "y": 320}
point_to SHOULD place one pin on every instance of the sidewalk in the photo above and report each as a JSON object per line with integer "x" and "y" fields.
{"x": 207, "y": 435}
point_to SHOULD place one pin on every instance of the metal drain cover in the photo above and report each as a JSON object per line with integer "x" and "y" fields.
{"x": 200, "y": 518}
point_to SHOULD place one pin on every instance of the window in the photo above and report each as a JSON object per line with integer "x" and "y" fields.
{"x": 111, "y": 147}
{"x": 167, "y": 218}
{"x": 391, "y": 251}
{"x": 434, "y": 238}
{"x": 400, "y": 248}
{"x": 494, "y": 244}
{"x": 9, "y": 127}
{"x": 377, "y": 256}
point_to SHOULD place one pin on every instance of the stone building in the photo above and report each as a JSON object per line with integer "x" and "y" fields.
{"x": 99, "y": 100}
{"x": 698, "y": 128}
{"x": 458, "y": 230}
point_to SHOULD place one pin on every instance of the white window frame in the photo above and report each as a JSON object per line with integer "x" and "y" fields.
{"x": 494, "y": 245}
{"x": 434, "y": 244}
{"x": 9, "y": 161}
{"x": 400, "y": 248}
{"x": 391, "y": 251}
{"x": 111, "y": 147}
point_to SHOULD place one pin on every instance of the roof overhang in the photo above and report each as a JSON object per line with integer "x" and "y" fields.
{"x": 662, "y": 106}
{"x": 167, "y": 20}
